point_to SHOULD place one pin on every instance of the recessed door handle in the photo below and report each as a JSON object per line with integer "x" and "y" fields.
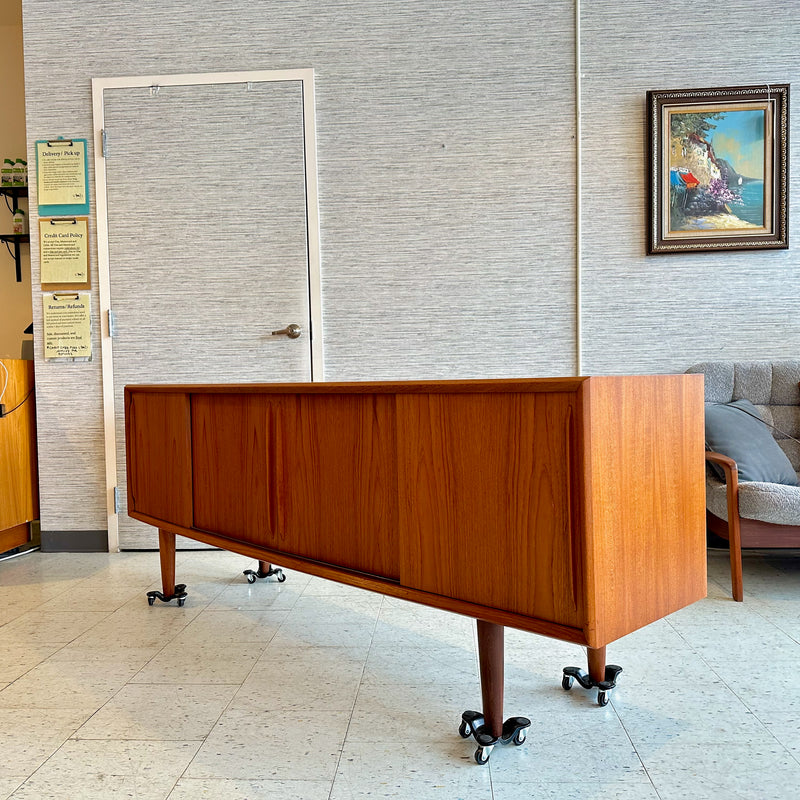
{"x": 292, "y": 331}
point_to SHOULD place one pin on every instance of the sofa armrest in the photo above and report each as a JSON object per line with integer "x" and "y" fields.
{"x": 728, "y": 465}
{"x": 731, "y": 473}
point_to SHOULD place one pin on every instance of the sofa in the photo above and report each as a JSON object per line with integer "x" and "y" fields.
{"x": 753, "y": 455}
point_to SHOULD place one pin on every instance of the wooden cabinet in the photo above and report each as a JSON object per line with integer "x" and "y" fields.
{"x": 570, "y": 507}
{"x": 19, "y": 480}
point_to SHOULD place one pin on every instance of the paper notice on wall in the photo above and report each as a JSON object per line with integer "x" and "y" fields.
{"x": 67, "y": 325}
{"x": 61, "y": 172}
{"x": 64, "y": 250}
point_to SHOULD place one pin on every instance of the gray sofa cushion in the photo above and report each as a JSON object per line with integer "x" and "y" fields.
{"x": 767, "y": 502}
{"x": 737, "y": 431}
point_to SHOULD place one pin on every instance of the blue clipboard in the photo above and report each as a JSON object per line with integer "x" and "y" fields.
{"x": 66, "y": 209}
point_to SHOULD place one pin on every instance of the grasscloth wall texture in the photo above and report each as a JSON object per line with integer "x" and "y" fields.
{"x": 447, "y": 171}
{"x": 660, "y": 313}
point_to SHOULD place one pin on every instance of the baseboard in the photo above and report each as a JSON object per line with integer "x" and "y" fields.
{"x": 74, "y": 541}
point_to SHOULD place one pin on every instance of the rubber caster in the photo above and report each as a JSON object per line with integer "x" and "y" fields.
{"x": 251, "y": 578}
{"x": 602, "y": 698}
{"x": 281, "y": 577}
{"x": 150, "y": 600}
{"x": 566, "y": 682}
{"x": 482, "y": 755}
{"x": 520, "y": 737}
{"x": 181, "y": 601}
{"x": 464, "y": 730}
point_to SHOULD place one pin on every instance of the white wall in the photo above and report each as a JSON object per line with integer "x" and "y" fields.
{"x": 15, "y": 298}
{"x": 445, "y": 167}
{"x": 662, "y": 313}
{"x": 447, "y": 151}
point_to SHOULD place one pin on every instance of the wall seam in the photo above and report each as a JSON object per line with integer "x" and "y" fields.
{"x": 578, "y": 195}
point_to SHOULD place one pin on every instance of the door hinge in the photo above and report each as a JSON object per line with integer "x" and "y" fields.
{"x": 116, "y": 499}
{"x": 103, "y": 142}
{"x": 112, "y": 323}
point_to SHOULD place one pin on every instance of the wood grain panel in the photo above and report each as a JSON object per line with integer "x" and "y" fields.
{"x": 312, "y": 476}
{"x": 485, "y": 505}
{"x": 19, "y": 482}
{"x": 235, "y": 445}
{"x": 14, "y": 537}
{"x": 159, "y": 455}
{"x": 340, "y": 477}
{"x": 646, "y": 548}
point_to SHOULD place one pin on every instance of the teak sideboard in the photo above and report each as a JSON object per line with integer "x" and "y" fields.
{"x": 568, "y": 507}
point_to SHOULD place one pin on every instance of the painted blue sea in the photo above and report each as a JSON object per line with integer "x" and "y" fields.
{"x": 752, "y": 208}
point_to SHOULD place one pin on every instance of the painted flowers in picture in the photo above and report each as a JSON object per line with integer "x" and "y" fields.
{"x": 718, "y": 169}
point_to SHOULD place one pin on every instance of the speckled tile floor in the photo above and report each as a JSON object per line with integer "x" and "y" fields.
{"x": 308, "y": 690}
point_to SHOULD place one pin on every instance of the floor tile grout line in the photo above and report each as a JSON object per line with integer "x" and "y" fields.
{"x": 694, "y": 651}
{"x": 228, "y": 704}
{"x": 355, "y": 697}
{"x": 636, "y": 750}
{"x": 73, "y": 736}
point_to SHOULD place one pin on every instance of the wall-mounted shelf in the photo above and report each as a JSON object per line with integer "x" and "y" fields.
{"x": 14, "y": 192}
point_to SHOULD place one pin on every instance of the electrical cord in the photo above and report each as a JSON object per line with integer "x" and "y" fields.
{"x": 20, "y": 404}
{"x": 5, "y": 385}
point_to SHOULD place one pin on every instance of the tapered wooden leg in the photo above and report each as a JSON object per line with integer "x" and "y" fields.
{"x": 734, "y": 531}
{"x": 170, "y": 590}
{"x": 487, "y": 726}
{"x": 264, "y": 567}
{"x": 735, "y": 545}
{"x": 166, "y": 551}
{"x": 490, "y": 656}
{"x": 597, "y": 663}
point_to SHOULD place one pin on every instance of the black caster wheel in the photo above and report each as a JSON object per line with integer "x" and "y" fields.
{"x": 464, "y": 730}
{"x": 252, "y": 574}
{"x": 179, "y": 594}
{"x": 602, "y": 698}
{"x": 566, "y": 683}
{"x": 520, "y": 737}
{"x": 482, "y": 755}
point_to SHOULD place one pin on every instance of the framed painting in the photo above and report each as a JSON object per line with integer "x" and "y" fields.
{"x": 718, "y": 167}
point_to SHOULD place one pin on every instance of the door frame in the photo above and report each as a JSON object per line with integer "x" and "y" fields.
{"x": 99, "y": 85}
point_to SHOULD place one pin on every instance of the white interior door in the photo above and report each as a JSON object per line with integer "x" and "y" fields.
{"x": 211, "y": 241}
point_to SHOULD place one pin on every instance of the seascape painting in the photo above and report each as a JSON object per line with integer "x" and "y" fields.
{"x": 716, "y": 170}
{"x": 718, "y": 166}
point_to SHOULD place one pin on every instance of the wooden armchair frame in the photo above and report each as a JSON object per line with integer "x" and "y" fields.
{"x": 742, "y": 532}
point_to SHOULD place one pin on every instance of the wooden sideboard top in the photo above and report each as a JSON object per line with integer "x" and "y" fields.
{"x": 565, "y": 384}
{"x": 388, "y": 387}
